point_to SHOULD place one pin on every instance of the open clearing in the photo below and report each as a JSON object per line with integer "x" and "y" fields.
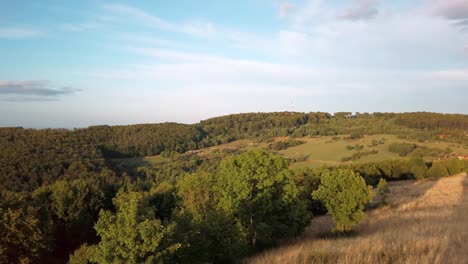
{"x": 424, "y": 222}
{"x": 317, "y": 152}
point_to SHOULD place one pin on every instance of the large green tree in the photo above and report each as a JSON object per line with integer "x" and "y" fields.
{"x": 345, "y": 195}
{"x": 258, "y": 188}
{"x": 133, "y": 234}
{"x": 210, "y": 234}
{"x": 24, "y": 232}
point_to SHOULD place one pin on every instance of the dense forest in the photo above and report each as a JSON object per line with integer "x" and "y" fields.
{"x": 62, "y": 199}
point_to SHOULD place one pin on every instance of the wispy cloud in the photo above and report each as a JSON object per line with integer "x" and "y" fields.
{"x": 79, "y": 26}
{"x": 33, "y": 90}
{"x": 151, "y": 40}
{"x": 16, "y": 32}
{"x": 180, "y": 66}
{"x": 195, "y": 28}
{"x": 361, "y": 10}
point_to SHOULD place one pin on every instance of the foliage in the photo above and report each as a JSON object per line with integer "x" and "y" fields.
{"x": 23, "y": 236}
{"x": 82, "y": 255}
{"x": 433, "y": 121}
{"x": 455, "y": 166}
{"x": 437, "y": 170}
{"x": 62, "y": 178}
{"x": 210, "y": 234}
{"x": 402, "y": 149}
{"x": 382, "y": 188}
{"x": 133, "y": 234}
{"x": 418, "y": 168}
{"x": 344, "y": 194}
{"x": 258, "y": 188}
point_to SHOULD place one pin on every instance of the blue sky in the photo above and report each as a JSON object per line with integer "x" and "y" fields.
{"x": 80, "y": 63}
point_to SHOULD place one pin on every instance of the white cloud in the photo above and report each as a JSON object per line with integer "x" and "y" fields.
{"x": 193, "y": 67}
{"x": 316, "y": 55}
{"x": 80, "y": 26}
{"x": 453, "y": 75}
{"x": 19, "y": 33}
{"x": 285, "y": 9}
{"x": 361, "y": 10}
{"x": 451, "y": 9}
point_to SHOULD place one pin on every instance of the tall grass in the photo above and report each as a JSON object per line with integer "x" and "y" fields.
{"x": 424, "y": 222}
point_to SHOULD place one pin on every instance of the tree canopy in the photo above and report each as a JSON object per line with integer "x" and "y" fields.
{"x": 345, "y": 195}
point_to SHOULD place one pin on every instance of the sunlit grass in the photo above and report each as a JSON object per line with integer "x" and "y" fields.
{"x": 424, "y": 222}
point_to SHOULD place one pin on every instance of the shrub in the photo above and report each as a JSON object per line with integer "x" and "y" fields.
{"x": 454, "y": 166}
{"x": 382, "y": 188}
{"x": 402, "y": 149}
{"x": 418, "y": 168}
{"x": 438, "y": 170}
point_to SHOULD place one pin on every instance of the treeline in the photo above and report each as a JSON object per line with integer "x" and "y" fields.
{"x": 145, "y": 140}
{"x": 433, "y": 121}
{"x": 32, "y": 158}
{"x": 258, "y": 125}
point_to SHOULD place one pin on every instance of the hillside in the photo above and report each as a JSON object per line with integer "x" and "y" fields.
{"x": 424, "y": 222}
{"x": 212, "y": 192}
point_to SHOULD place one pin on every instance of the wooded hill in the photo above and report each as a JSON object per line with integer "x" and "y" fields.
{"x": 55, "y": 182}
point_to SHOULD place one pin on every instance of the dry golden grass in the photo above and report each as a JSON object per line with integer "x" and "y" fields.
{"x": 424, "y": 222}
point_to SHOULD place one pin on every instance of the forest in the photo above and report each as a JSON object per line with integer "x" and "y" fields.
{"x": 65, "y": 196}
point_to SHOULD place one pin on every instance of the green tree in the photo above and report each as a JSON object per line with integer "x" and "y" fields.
{"x": 259, "y": 189}
{"x": 133, "y": 234}
{"x": 22, "y": 235}
{"x": 211, "y": 234}
{"x": 344, "y": 194}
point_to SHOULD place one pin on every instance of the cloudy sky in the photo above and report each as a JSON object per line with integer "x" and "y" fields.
{"x": 78, "y": 63}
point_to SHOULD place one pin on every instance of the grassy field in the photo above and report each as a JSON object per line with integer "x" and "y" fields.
{"x": 325, "y": 151}
{"x": 316, "y": 152}
{"x": 424, "y": 222}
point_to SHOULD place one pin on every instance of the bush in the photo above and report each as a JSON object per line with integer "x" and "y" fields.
{"x": 382, "y": 188}
{"x": 438, "y": 170}
{"x": 402, "y": 149}
{"x": 454, "y": 166}
{"x": 418, "y": 168}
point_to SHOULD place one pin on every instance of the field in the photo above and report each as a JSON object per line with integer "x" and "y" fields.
{"x": 315, "y": 152}
{"x": 424, "y": 222}
{"x": 325, "y": 151}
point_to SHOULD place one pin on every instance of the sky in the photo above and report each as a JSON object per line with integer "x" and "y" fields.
{"x": 79, "y": 63}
